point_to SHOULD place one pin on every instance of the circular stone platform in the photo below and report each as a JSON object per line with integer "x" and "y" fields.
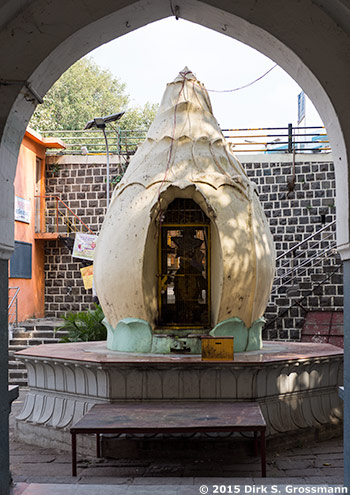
{"x": 296, "y": 384}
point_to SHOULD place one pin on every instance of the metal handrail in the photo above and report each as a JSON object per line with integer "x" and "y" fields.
{"x": 305, "y": 240}
{"x": 120, "y": 141}
{"x": 14, "y": 301}
{"x": 292, "y": 142}
{"x": 285, "y": 310}
{"x": 290, "y": 272}
{"x": 125, "y": 141}
{"x": 291, "y": 276}
{"x": 316, "y": 257}
{"x": 60, "y": 201}
{"x": 313, "y": 246}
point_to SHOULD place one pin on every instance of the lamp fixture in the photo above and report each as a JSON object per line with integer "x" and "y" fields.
{"x": 100, "y": 123}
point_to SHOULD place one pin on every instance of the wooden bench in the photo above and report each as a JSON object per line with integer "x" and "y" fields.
{"x": 171, "y": 417}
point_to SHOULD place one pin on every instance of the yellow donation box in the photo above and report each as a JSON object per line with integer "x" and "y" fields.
{"x": 217, "y": 348}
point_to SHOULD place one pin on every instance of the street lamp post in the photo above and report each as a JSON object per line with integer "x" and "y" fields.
{"x": 100, "y": 123}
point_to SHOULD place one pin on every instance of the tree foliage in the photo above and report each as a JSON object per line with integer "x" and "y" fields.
{"x": 86, "y": 91}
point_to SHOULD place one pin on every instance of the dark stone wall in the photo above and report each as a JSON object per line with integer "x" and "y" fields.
{"x": 298, "y": 202}
{"x": 82, "y": 186}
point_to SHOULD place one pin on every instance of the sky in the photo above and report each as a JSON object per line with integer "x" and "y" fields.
{"x": 146, "y": 59}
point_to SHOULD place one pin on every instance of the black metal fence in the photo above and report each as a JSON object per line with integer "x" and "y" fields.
{"x": 311, "y": 139}
{"x": 289, "y": 139}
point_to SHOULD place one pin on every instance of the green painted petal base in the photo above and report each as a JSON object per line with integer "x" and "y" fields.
{"x": 245, "y": 339}
{"x": 130, "y": 335}
{"x": 135, "y": 335}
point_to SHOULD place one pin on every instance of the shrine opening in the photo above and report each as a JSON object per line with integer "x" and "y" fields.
{"x": 184, "y": 266}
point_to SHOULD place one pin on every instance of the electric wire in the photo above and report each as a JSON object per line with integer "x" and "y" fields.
{"x": 245, "y": 85}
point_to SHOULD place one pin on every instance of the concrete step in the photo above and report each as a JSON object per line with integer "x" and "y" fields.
{"x": 43, "y": 328}
{"x": 18, "y": 329}
{"x": 21, "y": 382}
{"x": 29, "y": 342}
{"x": 39, "y": 334}
{"x": 43, "y": 324}
{"x": 16, "y": 365}
{"x": 29, "y": 333}
{"x": 25, "y": 342}
{"x": 18, "y": 374}
{"x": 15, "y": 348}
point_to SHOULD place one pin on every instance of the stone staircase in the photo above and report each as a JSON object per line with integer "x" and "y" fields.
{"x": 30, "y": 332}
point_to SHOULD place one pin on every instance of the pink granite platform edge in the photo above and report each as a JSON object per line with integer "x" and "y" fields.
{"x": 96, "y": 352}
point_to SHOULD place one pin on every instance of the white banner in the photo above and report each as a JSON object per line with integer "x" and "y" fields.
{"x": 22, "y": 209}
{"x": 84, "y": 246}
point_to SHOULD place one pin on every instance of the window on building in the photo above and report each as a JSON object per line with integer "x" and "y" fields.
{"x": 21, "y": 260}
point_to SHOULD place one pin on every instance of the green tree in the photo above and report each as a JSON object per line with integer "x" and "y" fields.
{"x": 85, "y": 91}
{"x": 139, "y": 116}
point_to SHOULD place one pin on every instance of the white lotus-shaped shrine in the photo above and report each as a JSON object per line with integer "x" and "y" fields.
{"x": 185, "y": 244}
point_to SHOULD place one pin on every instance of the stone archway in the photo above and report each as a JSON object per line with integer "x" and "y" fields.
{"x": 39, "y": 40}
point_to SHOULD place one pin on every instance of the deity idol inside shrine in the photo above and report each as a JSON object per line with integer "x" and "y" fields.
{"x": 185, "y": 249}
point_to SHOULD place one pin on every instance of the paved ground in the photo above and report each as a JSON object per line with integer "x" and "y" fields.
{"x": 316, "y": 463}
{"x": 172, "y": 489}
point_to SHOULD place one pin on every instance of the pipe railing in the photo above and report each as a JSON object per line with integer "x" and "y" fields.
{"x": 91, "y": 142}
{"x": 294, "y": 272}
{"x": 292, "y": 139}
{"x": 12, "y": 308}
{"x": 308, "y": 262}
{"x": 310, "y": 248}
{"x": 124, "y": 142}
{"x": 297, "y": 246}
{"x": 55, "y": 216}
{"x": 313, "y": 252}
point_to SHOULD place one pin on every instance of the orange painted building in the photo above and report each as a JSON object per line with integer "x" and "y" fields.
{"x": 26, "y": 267}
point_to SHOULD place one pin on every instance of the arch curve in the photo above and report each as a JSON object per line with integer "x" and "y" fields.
{"x": 40, "y": 40}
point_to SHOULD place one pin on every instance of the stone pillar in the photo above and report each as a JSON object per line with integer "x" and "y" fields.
{"x": 346, "y": 265}
{"x": 8, "y": 166}
{"x": 5, "y": 477}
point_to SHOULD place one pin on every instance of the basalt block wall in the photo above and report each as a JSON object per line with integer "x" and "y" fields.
{"x": 80, "y": 182}
{"x": 293, "y": 215}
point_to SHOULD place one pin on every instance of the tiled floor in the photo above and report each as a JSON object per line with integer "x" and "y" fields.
{"x": 314, "y": 463}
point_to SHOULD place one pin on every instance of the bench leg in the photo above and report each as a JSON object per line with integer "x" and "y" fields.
{"x": 98, "y": 445}
{"x": 263, "y": 454}
{"x": 74, "y": 454}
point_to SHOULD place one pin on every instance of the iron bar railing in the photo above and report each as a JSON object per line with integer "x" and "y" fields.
{"x": 310, "y": 139}
{"x": 92, "y": 142}
{"x": 124, "y": 142}
{"x": 54, "y": 216}
{"x": 313, "y": 250}
{"x": 308, "y": 293}
{"x": 311, "y": 262}
{"x": 12, "y": 308}
{"x": 297, "y": 246}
